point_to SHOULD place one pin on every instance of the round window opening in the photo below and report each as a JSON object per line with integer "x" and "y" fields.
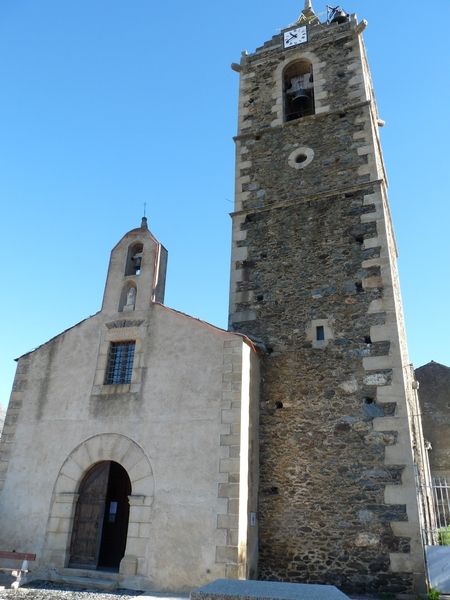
{"x": 301, "y": 158}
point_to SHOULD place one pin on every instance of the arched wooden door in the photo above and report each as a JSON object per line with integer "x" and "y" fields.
{"x": 100, "y": 526}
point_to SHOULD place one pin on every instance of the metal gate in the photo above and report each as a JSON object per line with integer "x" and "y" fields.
{"x": 441, "y": 495}
{"x": 438, "y": 555}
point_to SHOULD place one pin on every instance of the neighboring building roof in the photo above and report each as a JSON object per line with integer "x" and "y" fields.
{"x": 434, "y": 398}
{"x": 432, "y": 364}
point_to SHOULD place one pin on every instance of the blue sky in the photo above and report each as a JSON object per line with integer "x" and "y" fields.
{"x": 107, "y": 104}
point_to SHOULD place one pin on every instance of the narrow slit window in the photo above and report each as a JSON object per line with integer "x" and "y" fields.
{"x": 320, "y": 333}
{"x": 120, "y": 363}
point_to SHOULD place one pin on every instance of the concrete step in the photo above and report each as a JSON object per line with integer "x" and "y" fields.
{"x": 95, "y": 583}
{"x": 94, "y": 573}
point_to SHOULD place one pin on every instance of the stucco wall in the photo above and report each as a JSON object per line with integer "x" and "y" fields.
{"x": 171, "y": 413}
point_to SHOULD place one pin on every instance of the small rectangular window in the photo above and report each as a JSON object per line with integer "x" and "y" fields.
{"x": 320, "y": 333}
{"x": 120, "y": 363}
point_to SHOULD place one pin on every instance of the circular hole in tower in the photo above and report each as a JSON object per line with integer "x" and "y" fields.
{"x": 301, "y": 158}
{"x": 279, "y": 404}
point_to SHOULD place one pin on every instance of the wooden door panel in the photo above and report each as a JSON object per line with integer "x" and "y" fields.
{"x": 87, "y": 526}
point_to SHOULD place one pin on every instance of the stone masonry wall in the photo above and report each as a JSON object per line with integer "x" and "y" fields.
{"x": 322, "y": 468}
{"x": 312, "y": 246}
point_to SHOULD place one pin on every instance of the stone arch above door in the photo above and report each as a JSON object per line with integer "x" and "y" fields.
{"x": 102, "y": 447}
{"x": 107, "y": 446}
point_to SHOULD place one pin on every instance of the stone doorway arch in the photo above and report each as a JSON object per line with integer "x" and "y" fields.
{"x": 103, "y": 447}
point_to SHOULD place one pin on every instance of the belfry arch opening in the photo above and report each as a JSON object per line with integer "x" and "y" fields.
{"x": 298, "y": 90}
{"x": 134, "y": 259}
{"x": 100, "y": 526}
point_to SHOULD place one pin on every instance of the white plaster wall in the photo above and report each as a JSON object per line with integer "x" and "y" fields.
{"x": 173, "y": 415}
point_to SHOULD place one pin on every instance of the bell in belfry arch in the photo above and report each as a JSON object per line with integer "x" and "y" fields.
{"x": 303, "y": 105}
{"x": 301, "y": 101}
{"x": 300, "y": 87}
{"x": 137, "y": 260}
{"x": 299, "y": 96}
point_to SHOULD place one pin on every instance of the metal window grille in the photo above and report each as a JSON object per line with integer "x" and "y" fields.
{"x": 441, "y": 489}
{"x": 120, "y": 363}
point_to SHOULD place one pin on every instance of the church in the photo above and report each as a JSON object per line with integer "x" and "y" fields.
{"x": 161, "y": 452}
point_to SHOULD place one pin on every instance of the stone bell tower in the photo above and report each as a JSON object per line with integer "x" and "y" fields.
{"x": 314, "y": 282}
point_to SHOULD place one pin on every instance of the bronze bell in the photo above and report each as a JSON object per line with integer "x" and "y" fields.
{"x": 301, "y": 94}
{"x": 339, "y": 16}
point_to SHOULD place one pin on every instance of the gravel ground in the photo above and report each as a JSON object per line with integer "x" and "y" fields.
{"x": 43, "y": 590}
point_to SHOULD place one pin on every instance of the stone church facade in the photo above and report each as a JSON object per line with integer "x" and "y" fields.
{"x": 287, "y": 448}
{"x": 123, "y": 432}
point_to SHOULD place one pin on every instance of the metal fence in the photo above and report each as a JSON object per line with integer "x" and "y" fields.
{"x": 441, "y": 496}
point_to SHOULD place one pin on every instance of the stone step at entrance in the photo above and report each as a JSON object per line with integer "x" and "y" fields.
{"x": 99, "y": 580}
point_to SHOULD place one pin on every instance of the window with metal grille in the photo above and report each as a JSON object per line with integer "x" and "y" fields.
{"x": 120, "y": 363}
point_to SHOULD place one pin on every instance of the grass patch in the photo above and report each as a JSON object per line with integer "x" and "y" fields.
{"x": 444, "y": 536}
